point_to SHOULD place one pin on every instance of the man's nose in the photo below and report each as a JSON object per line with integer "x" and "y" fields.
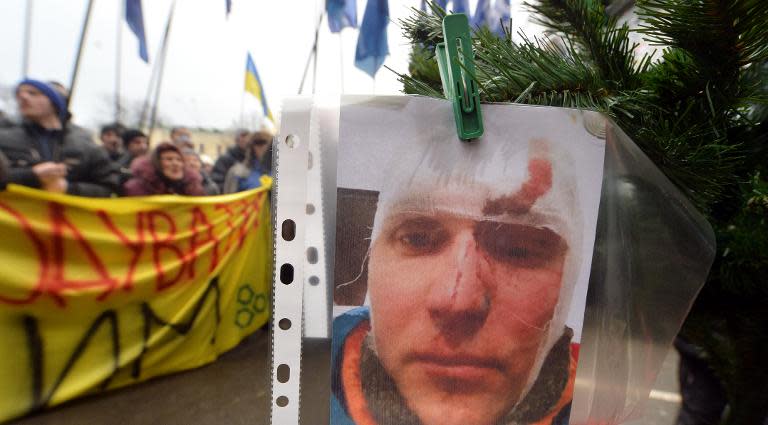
{"x": 460, "y": 299}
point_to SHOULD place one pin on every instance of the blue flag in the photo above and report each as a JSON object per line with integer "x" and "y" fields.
{"x": 459, "y": 6}
{"x": 492, "y": 16}
{"x": 341, "y": 14}
{"x": 135, "y": 19}
{"x": 372, "y": 47}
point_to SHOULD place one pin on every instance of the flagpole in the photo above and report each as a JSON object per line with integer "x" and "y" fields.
{"x": 242, "y": 109}
{"x": 314, "y": 61}
{"x": 119, "y": 59}
{"x": 27, "y": 36}
{"x": 164, "y": 54}
{"x": 79, "y": 56}
{"x": 150, "y": 88}
{"x": 312, "y": 53}
{"x": 146, "y": 108}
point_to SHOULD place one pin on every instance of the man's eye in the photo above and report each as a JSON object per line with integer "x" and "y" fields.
{"x": 519, "y": 245}
{"x": 418, "y": 240}
{"x": 421, "y": 236}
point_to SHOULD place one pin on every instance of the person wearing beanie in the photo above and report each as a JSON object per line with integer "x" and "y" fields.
{"x": 47, "y": 152}
{"x": 163, "y": 172}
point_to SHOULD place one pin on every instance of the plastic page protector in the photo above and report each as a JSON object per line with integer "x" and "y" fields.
{"x": 461, "y": 268}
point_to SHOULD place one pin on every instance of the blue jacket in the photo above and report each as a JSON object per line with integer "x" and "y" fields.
{"x": 342, "y": 326}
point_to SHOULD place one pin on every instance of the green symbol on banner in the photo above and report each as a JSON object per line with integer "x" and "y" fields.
{"x": 251, "y": 305}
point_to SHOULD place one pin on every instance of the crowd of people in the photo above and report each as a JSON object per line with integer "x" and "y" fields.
{"x": 48, "y": 152}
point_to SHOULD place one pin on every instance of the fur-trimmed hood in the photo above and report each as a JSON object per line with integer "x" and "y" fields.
{"x": 147, "y": 179}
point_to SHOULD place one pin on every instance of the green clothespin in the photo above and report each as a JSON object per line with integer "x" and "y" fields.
{"x": 457, "y": 67}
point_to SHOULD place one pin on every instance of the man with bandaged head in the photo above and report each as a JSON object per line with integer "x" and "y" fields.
{"x": 474, "y": 255}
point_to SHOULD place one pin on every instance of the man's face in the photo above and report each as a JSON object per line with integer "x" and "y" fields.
{"x": 459, "y": 309}
{"x": 111, "y": 141}
{"x": 182, "y": 138}
{"x": 138, "y": 146}
{"x": 33, "y": 104}
{"x": 242, "y": 140}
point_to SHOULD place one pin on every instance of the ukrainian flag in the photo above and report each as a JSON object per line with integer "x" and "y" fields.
{"x": 254, "y": 87}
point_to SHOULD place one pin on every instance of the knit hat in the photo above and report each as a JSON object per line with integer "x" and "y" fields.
{"x": 57, "y": 100}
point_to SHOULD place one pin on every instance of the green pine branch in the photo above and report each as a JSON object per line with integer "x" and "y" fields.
{"x": 605, "y": 43}
{"x": 699, "y": 111}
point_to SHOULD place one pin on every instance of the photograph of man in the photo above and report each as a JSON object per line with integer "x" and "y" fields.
{"x": 472, "y": 264}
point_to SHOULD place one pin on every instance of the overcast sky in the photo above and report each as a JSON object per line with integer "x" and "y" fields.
{"x": 204, "y": 72}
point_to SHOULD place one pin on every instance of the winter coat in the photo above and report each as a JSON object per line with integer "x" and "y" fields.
{"x": 209, "y": 186}
{"x": 89, "y": 170}
{"x": 5, "y": 121}
{"x": 113, "y": 156}
{"x": 123, "y": 165}
{"x": 241, "y": 177}
{"x": 4, "y": 167}
{"x": 349, "y": 333}
{"x": 232, "y": 156}
{"x": 147, "y": 180}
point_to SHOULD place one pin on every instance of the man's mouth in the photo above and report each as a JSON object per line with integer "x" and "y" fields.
{"x": 463, "y": 368}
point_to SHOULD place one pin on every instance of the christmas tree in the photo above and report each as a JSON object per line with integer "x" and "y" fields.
{"x": 698, "y": 110}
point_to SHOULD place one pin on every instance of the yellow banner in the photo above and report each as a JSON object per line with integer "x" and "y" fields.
{"x": 97, "y": 294}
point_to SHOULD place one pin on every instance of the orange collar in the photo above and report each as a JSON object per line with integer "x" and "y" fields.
{"x": 357, "y": 407}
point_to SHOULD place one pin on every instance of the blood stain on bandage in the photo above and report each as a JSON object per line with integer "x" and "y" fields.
{"x": 539, "y": 183}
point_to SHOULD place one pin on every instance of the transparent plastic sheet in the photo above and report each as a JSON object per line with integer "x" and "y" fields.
{"x": 652, "y": 254}
{"x": 307, "y": 195}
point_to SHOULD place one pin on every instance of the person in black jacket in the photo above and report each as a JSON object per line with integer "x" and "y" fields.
{"x": 48, "y": 153}
{"x": 232, "y": 156}
{"x": 3, "y": 171}
{"x": 112, "y": 140}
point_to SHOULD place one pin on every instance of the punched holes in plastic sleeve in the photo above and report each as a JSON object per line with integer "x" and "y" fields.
{"x": 283, "y": 373}
{"x": 292, "y": 141}
{"x": 284, "y": 324}
{"x": 312, "y": 255}
{"x": 286, "y": 273}
{"x": 282, "y": 401}
{"x": 288, "y": 230}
